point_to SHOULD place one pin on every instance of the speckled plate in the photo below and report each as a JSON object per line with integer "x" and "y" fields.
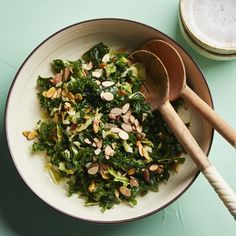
{"x": 211, "y": 24}
{"x": 22, "y": 112}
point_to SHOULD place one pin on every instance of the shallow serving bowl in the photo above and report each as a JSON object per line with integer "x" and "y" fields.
{"x": 22, "y": 112}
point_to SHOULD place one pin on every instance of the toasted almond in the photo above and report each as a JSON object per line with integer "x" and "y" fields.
{"x": 136, "y": 123}
{"x": 107, "y": 83}
{"x": 132, "y": 119}
{"x": 32, "y": 135}
{"x": 112, "y": 116}
{"x": 99, "y": 143}
{"x": 67, "y": 106}
{"x": 26, "y": 133}
{"x": 145, "y": 153}
{"x": 123, "y": 135}
{"x": 125, "y": 191}
{"x": 87, "y": 165}
{"x": 117, "y": 193}
{"x": 125, "y": 108}
{"x": 116, "y": 111}
{"x": 70, "y": 96}
{"x": 131, "y": 171}
{"x": 78, "y": 97}
{"x": 93, "y": 170}
{"x": 107, "y": 96}
{"x": 50, "y": 92}
{"x": 98, "y": 82}
{"x": 107, "y": 157}
{"x": 97, "y": 151}
{"x": 96, "y": 123}
{"x": 110, "y": 125}
{"x": 92, "y": 187}
{"x": 86, "y": 140}
{"x": 160, "y": 169}
{"x": 126, "y": 127}
{"x": 97, "y": 73}
{"x": 106, "y": 58}
{"x": 109, "y": 151}
{"x": 139, "y": 129}
{"x": 105, "y": 176}
{"x": 115, "y": 130}
{"x": 133, "y": 182}
{"x": 88, "y": 66}
{"x": 113, "y": 145}
{"x": 144, "y": 116}
{"x": 153, "y": 167}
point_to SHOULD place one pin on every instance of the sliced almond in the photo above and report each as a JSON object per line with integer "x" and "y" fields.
{"x": 93, "y": 170}
{"x": 123, "y": 135}
{"x": 99, "y": 143}
{"x": 107, "y": 83}
{"x": 32, "y": 135}
{"x": 106, "y": 58}
{"x": 107, "y": 96}
{"x": 133, "y": 182}
{"x": 131, "y": 171}
{"x": 67, "y": 106}
{"x": 139, "y": 129}
{"x": 70, "y": 96}
{"x": 110, "y": 125}
{"x": 97, "y": 151}
{"x": 92, "y": 187}
{"x": 115, "y": 130}
{"x": 125, "y": 191}
{"x": 132, "y": 119}
{"x": 153, "y": 167}
{"x": 136, "y": 123}
{"x": 78, "y": 97}
{"x": 117, "y": 193}
{"x": 112, "y": 116}
{"x": 126, "y": 127}
{"x": 109, "y": 151}
{"x": 86, "y": 140}
{"x": 116, "y": 111}
{"x": 125, "y": 108}
{"x": 113, "y": 145}
{"x": 88, "y": 66}
{"x": 50, "y": 92}
{"x": 97, "y": 73}
{"x": 98, "y": 82}
{"x": 26, "y": 133}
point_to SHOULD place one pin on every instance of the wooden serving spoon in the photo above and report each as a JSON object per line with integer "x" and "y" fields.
{"x": 157, "y": 93}
{"x": 178, "y": 87}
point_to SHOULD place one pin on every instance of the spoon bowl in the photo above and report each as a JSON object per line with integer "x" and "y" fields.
{"x": 179, "y": 88}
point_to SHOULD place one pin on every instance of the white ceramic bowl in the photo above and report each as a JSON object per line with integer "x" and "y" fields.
{"x": 211, "y": 24}
{"x": 201, "y": 50}
{"x": 22, "y": 112}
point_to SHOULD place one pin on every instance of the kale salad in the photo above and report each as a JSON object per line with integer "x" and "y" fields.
{"x": 98, "y": 133}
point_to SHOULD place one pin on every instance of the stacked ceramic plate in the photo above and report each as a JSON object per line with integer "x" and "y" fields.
{"x": 209, "y": 26}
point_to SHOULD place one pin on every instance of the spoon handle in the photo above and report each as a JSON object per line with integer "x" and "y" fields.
{"x": 210, "y": 115}
{"x": 225, "y": 193}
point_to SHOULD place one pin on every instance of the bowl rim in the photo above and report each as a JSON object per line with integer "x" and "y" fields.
{"x": 31, "y": 54}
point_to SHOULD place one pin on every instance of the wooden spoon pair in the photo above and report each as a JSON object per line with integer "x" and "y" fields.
{"x": 158, "y": 92}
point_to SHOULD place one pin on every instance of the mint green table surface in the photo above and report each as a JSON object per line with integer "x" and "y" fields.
{"x": 198, "y": 212}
